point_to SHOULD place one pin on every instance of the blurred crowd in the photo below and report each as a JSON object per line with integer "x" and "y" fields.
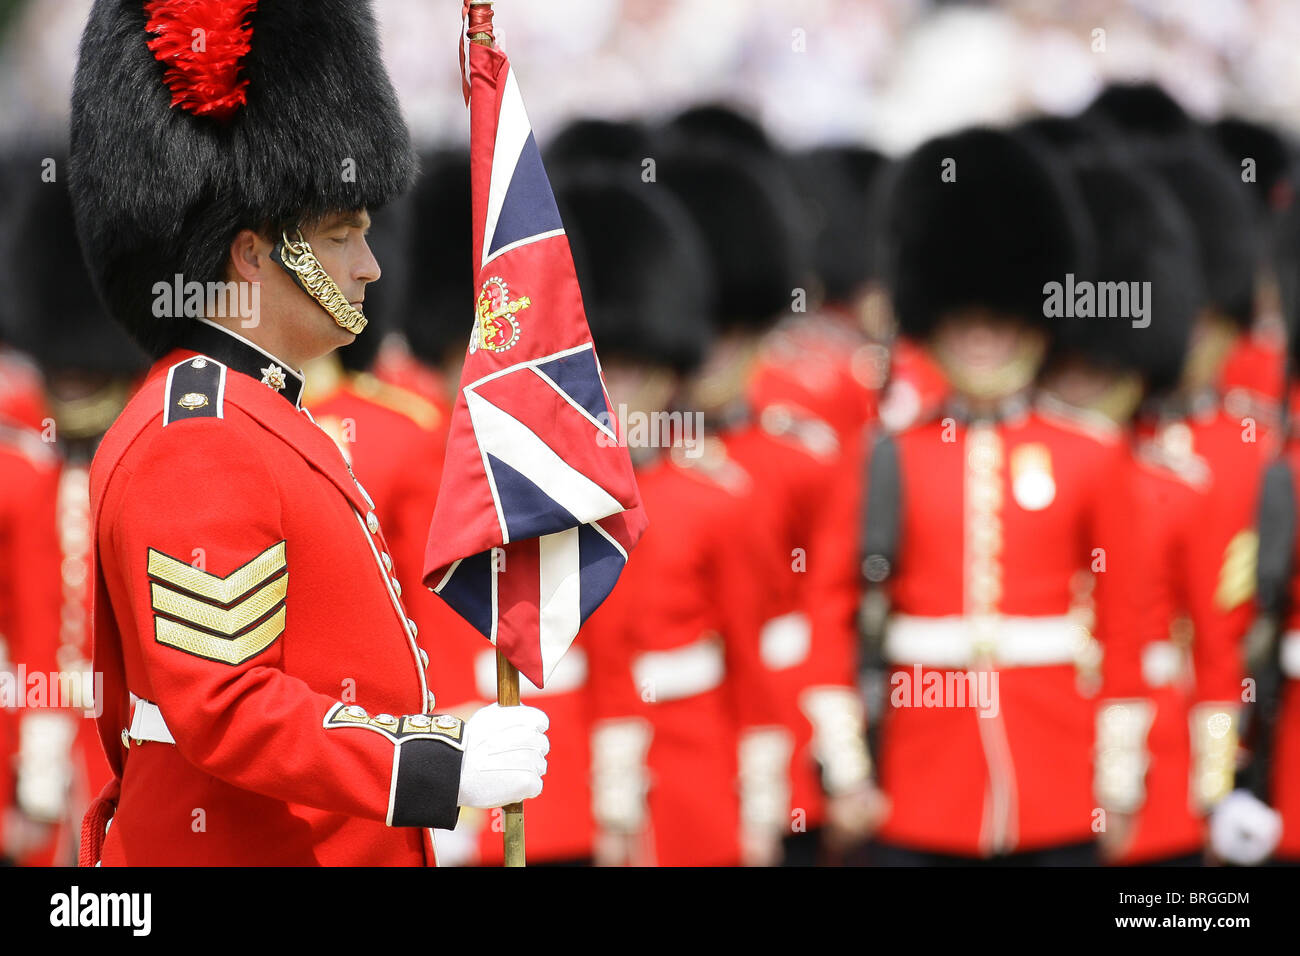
{"x": 963, "y": 434}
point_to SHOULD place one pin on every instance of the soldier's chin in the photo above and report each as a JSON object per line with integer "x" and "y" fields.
{"x": 991, "y": 382}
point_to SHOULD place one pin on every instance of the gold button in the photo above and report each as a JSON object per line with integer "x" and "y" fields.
{"x": 424, "y": 657}
{"x": 415, "y": 631}
{"x": 388, "y": 562}
{"x": 199, "y": 363}
{"x": 372, "y": 523}
{"x": 397, "y": 587}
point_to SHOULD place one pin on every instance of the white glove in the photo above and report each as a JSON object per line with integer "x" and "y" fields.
{"x": 505, "y": 756}
{"x": 1244, "y": 830}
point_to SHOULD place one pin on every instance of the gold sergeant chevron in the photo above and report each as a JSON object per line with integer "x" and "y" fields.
{"x": 228, "y": 619}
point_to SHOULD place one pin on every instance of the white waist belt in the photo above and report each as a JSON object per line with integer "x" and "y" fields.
{"x": 681, "y": 672}
{"x": 1290, "y": 654}
{"x": 147, "y": 724}
{"x": 955, "y": 641}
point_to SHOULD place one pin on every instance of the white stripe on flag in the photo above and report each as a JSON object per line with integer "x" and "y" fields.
{"x": 508, "y": 439}
{"x": 561, "y": 595}
{"x": 512, "y": 132}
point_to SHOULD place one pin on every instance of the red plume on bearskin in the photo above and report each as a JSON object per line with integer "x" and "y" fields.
{"x": 202, "y": 42}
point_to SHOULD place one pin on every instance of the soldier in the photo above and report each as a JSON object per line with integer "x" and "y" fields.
{"x": 265, "y": 694}
{"x": 802, "y": 498}
{"x": 683, "y": 716}
{"x": 992, "y": 508}
{"x": 89, "y": 367}
{"x": 1106, "y": 366}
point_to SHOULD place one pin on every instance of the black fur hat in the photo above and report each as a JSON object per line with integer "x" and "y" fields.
{"x": 1272, "y": 185}
{"x": 438, "y": 297}
{"x": 1142, "y": 236}
{"x": 1228, "y": 241}
{"x": 163, "y": 178}
{"x": 834, "y": 184}
{"x": 979, "y": 218}
{"x": 52, "y": 312}
{"x": 624, "y": 145}
{"x": 642, "y": 269}
{"x": 745, "y": 207}
{"x": 1142, "y": 112}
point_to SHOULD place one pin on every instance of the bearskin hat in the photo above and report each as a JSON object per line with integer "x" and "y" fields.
{"x": 1229, "y": 244}
{"x": 284, "y": 115}
{"x": 621, "y": 144}
{"x": 1142, "y": 236}
{"x": 52, "y": 312}
{"x": 437, "y": 301}
{"x": 1142, "y": 112}
{"x": 1272, "y": 185}
{"x": 745, "y": 207}
{"x": 642, "y": 269}
{"x": 834, "y": 184}
{"x": 979, "y": 219}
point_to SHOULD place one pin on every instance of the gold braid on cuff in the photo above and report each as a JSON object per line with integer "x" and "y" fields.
{"x": 299, "y": 261}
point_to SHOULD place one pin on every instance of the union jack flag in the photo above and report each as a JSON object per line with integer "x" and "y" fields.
{"x": 538, "y": 506}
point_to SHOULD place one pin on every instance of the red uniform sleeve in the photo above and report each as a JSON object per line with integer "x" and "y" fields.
{"x": 233, "y": 710}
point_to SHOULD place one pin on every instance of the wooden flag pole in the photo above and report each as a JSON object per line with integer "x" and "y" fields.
{"x": 478, "y": 16}
{"x": 508, "y": 696}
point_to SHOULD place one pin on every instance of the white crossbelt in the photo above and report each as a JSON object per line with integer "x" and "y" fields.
{"x": 1290, "y": 654}
{"x": 681, "y": 672}
{"x": 956, "y": 640}
{"x": 147, "y": 723}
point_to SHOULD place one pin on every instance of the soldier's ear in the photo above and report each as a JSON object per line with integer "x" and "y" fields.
{"x": 250, "y": 254}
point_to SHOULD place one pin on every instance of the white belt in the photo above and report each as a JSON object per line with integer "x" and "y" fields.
{"x": 147, "y": 724}
{"x": 681, "y": 672}
{"x": 955, "y": 641}
{"x": 1290, "y": 654}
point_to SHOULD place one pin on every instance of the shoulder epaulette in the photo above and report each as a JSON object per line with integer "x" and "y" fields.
{"x": 801, "y": 428}
{"x": 395, "y": 398}
{"x": 1083, "y": 421}
{"x": 196, "y": 388}
{"x": 1174, "y": 456}
{"x": 27, "y": 443}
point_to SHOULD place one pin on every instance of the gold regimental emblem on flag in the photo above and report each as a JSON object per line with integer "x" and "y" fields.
{"x": 226, "y": 619}
{"x": 495, "y": 327}
{"x": 1237, "y": 574}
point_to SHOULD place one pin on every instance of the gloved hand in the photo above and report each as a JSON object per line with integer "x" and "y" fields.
{"x": 505, "y": 756}
{"x": 1243, "y": 829}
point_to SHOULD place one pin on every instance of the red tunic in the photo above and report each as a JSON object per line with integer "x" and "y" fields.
{"x": 244, "y": 588}
{"x": 676, "y": 644}
{"x": 998, "y": 521}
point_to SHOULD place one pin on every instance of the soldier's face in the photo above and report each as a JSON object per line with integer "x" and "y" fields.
{"x": 290, "y": 323}
{"x": 987, "y": 355}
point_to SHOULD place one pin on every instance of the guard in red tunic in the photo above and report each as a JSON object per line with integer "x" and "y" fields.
{"x": 992, "y": 511}
{"x": 802, "y": 497}
{"x": 89, "y": 367}
{"x": 265, "y": 692}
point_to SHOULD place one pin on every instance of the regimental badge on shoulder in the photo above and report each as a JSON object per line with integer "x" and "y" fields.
{"x": 195, "y": 389}
{"x": 444, "y": 727}
{"x": 1032, "y": 483}
{"x": 227, "y": 620}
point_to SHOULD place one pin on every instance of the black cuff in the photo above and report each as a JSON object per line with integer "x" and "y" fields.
{"x": 427, "y": 787}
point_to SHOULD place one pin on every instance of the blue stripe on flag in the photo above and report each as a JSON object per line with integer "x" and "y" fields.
{"x": 576, "y": 374}
{"x": 529, "y": 511}
{"x": 469, "y": 591}
{"x": 529, "y": 206}
{"x": 600, "y": 564}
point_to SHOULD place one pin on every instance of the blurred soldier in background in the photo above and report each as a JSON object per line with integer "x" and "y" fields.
{"x": 987, "y": 744}
{"x": 89, "y": 367}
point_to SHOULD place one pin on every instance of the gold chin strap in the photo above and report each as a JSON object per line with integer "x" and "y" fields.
{"x": 297, "y": 258}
